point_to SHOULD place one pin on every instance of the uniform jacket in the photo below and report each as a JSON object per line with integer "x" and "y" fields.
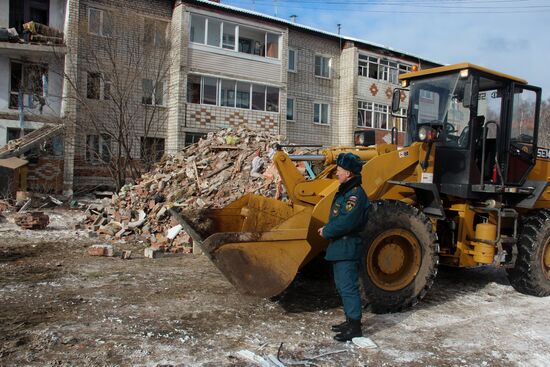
{"x": 348, "y": 215}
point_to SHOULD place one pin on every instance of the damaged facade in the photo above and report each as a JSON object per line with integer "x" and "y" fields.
{"x": 195, "y": 67}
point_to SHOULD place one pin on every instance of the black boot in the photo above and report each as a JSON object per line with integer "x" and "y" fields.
{"x": 352, "y": 331}
{"x": 340, "y": 327}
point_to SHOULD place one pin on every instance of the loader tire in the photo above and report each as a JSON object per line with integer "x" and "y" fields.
{"x": 400, "y": 256}
{"x": 531, "y": 272}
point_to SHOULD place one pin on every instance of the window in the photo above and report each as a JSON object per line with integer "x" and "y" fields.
{"x": 214, "y": 32}
{"x": 194, "y": 89}
{"x": 364, "y": 115}
{"x": 98, "y": 148}
{"x": 155, "y": 32}
{"x": 93, "y": 86}
{"x": 30, "y": 79}
{"x": 290, "y": 112}
{"x": 243, "y": 95}
{"x": 153, "y": 93}
{"x": 198, "y": 29}
{"x": 375, "y": 68}
{"x": 209, "y": 90}
{"x": 228, "y": 38}
{"x": 272, "y": 41}
{"x": 372, "y": 115}
{"x": 272, "y": 99}
{"x": 388, "y": 71}
{"x": 258, "y": 97}
{"x": 322, "y": 66}
{"x": 152, "y": 149}
{"x": 380, "y": 116}
{"x": 231, "y": 93}
{"x": 292, "y": 60}
{"x": 100, "y": 22}
{"x": 320, "y": 113}
{"x": 192, "y": 138}
{"x": 227, "y": 97}
{"x": 218, "y": 33}
{"x": 399, "y": 121}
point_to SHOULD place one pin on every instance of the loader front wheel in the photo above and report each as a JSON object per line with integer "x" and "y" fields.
{"x": 400, "y": 256}
{"x": 531, "y": 272}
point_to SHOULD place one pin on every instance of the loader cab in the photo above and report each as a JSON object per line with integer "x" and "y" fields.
{"x": 483, "y": 125}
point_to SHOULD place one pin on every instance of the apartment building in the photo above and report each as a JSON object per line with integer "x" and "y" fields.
{"x": 197, "y": 66}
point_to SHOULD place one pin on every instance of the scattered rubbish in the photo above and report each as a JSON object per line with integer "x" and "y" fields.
{"x": 101, "y": 250}
{"x": 364, "y": 342}
{"x": 153, "y": 253}
{"x": 125, "y": 254}
{"x": 248, "y": 355}
{"x": 208, "y": 174}
{"x": 32, "y": 220}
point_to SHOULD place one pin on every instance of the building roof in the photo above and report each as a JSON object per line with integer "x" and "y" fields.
{"x": 307, "y": 28}
{"x": 460, "y": 66}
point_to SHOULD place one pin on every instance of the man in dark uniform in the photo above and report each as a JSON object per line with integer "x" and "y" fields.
{"x": 347, "y": 219}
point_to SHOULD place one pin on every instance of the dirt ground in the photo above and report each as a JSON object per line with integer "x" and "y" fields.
{"x": 61, "y": 307}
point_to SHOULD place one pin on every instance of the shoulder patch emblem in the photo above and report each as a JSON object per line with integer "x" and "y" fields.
{"x": 336, "y": 210}
{"x": 350, "y": 204}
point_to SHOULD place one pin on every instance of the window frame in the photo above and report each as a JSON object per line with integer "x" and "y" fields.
{"x": 154, "y": 93}
{"x": 92, "y": 157}
{"x": 222, "y": 21}
{"x": 321, "y": 104}
{"x": 329, "y": 66}
{"x": 101, "y": 22}
{"x": 104, "y": 81}
{"x": 387, "y": 70}
{"x": 160, "y": 28}
{"x": 293, "y": 99}
{"x": 294, "y": 59}
{"x": 237, "y": 82}
{"x": 369, "y": 109}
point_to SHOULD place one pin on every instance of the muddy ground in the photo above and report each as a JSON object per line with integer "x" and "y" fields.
{"x": 61, "y": 307}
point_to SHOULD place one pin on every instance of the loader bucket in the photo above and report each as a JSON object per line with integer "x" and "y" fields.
{"x": 258, "y": 243}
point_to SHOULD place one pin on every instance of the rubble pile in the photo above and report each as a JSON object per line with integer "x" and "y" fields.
{"x": 208, "y": 174}
{"x": 32, "y": 220}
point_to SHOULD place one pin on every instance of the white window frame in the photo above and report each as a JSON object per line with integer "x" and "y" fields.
{"x": 293, "y": 109}
{"x": 385, "y": 68}
{"x": 295, "y": 59}
{"x": 368, "y": 108}
{"x": 101, "y": 28}
{"x": 154, "y": 92}
{"x": 329, "y": 66}
{"x": 237, "y": 35}
{"x": 321, "y": 113}
{"x": 377, "y": 108}
{"x": 237, "y": 81}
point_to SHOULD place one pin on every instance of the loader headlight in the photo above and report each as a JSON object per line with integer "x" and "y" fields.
{"x": 427, "y": 134}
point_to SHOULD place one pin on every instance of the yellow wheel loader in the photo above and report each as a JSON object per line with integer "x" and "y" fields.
{"x": 469, "y": 188}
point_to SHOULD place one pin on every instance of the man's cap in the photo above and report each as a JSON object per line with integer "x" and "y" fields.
{"x": 350, "y": 162}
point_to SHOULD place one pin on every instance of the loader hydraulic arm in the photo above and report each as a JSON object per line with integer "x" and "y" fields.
{"x": 310, "y": 192}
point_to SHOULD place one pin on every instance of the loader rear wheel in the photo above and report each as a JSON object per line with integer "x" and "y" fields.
{"x": 531, "y": 273}
{"x": 400, "y": 256}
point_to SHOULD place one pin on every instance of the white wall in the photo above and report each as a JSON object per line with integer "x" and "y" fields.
{"x": 57, "y": 14}
{"x": 4, "y": 82}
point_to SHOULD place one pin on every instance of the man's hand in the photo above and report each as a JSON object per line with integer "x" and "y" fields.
{"x": 320, "y": 231}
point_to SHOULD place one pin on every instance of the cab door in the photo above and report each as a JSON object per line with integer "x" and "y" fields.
{"x": 522, "y": 132}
